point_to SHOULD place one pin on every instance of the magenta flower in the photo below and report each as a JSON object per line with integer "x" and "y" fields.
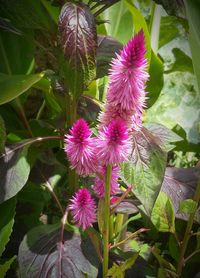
{"x": 126, "y": 88}
{"x": 79, "y": 147}
{"x": 112, "y": 143}
{"x": 99, "y": 183}
{"x": 83, "y": 209}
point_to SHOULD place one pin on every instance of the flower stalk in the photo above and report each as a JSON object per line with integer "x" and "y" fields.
{"x": 106, "y": 222}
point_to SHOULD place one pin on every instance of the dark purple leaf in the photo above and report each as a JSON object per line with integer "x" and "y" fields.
{"x": 145, "y": 168}
{"x": 42, "y": 254}
{"x": 107, "y": 49}
{"x": 127, "y": 207}
{"x": 180, "y": 184}
{"x": 78, "y": 39}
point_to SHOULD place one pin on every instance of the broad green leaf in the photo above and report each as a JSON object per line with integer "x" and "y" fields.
{"x": 188, "y": 206}
{"x": 115, "y": 271}
{"x": 182, "y": 62}
{"x": 163, "y": 216}
{"x": 12, "y": 86}
{"x": 140, "y": 23}
{"x": 193, "y": 14}
{"x": 145, "y": 168}
{"x": 5, "y": 267}
{"x": 7, "y": 213}
{"x": 16, "y": 53}
{"x": 78, "y": 39}
{"x": 14, "y": 172}
{"x": 2, "y": 134}
{"x": 69, "y": 255}
{"x": 155, "y": 83}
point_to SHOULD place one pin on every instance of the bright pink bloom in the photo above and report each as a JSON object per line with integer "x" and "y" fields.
{"x": 99, "y": 183}
{"x": 79, "y": 147}
{"x": 83, "y": 209}
{"x": 112, "y": 143}
{"x": 127, "y": 83}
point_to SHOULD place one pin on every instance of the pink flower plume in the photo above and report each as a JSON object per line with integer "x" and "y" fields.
{"x": 112, "y": 143}
{"x": 79, "y": 147}
{"x": 83, "y": 209}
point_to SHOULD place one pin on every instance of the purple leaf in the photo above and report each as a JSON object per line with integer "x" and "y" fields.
{"x": 78, "y": 39}
{"x": 43, "y": 254}
{"x": 180, "y": 184}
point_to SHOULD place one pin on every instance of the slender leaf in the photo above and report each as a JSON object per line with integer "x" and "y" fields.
{"x": 7, "y": 213}
{"x": 12, "y": 86}
{"x": 5, "y": 267}
{"x": 67, "y": 256}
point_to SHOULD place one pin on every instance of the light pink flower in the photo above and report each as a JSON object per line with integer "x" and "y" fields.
{"x": 99, "y": 183}
{"x": 79, "y": 147}
{"x": 83, "y": 209}
{"x": 112, "y": 143}
{"x": 126, "y": 89}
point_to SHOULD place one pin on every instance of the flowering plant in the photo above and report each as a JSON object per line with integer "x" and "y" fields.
{"x": 85, "y": 191}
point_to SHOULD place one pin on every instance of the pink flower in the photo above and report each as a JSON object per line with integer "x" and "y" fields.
{"x": 126, "y": 88}
{"x": 79, "y": 147}
{"x": 112, "y": 143}
{"x": 83, "y": 208}
{"x": 99, "y": 183}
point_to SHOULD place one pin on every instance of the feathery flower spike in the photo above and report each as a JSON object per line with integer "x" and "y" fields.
{"x": 112, "y": 143}
{"x": 126, "y": 88}
{"x": 99, "y": 183}
{"x": 83, "y": 209}
{"x": 79, "y": 147}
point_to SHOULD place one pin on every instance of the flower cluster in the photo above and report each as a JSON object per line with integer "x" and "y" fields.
{"x": 123, "y": 110}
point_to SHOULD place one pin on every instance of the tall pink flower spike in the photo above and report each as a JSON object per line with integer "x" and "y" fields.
{"x": 126, "y": 90}
{"x": 83, "y": 209}
{"x": 79, "y": 147}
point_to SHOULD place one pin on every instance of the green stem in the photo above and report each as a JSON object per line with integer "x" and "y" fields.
{"x": 188, "y": 234}
{"x": 106, "y": 222}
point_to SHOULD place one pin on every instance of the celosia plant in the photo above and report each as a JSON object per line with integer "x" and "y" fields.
{"x": 101, "y": 155}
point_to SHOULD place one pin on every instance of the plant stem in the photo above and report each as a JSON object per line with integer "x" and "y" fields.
{"x": 106, "y": 222}
{"x": 188, "y": 234}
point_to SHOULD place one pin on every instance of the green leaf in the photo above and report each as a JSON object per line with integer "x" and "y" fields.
{"x": 14, "y": 172}
{"x": 175, "y": 7}
{"x": 179, "y": 104}
{"x": 145, "y": 168}
{"x": 100, "y": 214}
{"x": 115, "y": 271}
{"x": 193, "y": 14}
{"x": 163, "y": 216}
{"x": 78, "y": 39}
{"x": 121, "y": 27}
{"x": 69, "y": 255}
{"x": 2, "y": 134}
{"x": 5, "y": 267}
{"x": 7, "y": 213}
{"x": 188, "y": 206}
{"x": 12, "y": 86}
{"x": 129, "y": 262}
{"x": 140, "y": 23}
{"x": 155, "y": 83}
